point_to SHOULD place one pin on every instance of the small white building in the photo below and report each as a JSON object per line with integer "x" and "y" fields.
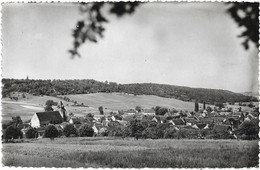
{"x": 41, "y": 119}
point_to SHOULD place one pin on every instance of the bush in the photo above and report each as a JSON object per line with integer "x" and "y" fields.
{"x": 12, "y": 133}
{"x": 69, "y": 129}
{"x": 170, "y": 133}
{"x": 150, "y": 132}
{"x": 187, "y": 133}
{"x": 86, "y": 130}
{"x": 31, "y": 133}
{"x": 249, "y": 130}
{"x": 51, "y": 132}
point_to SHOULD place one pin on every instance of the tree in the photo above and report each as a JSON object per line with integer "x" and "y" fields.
{"x": 249, "y": 129}
{"x": 16, "y": 120}
{"x": 170, "y": 133}
{"x": 136, "y": 127}
{"x": 69, "y": 129}
{"x": 246, "y": 15}
{"x": 251, "y": 105}
{"x": 138, "y": 109}
{"x": 12, "y": 132}
{"x": 88, "y": 29}
{"x": 209, "y": 109}
{"x": 220, "y": 105}
{"x": 196, "y": 107}
{"x": 160, "y": 110}
{"x": 31, "y": 133}
{"x": 48, "y": 105}
{"x": 101, "y": 110}
{"x": 51, "y": 132}
{"x": 86, "y": 130}
{"x": 48, "y": 109}
{"x": 204, "y": 105}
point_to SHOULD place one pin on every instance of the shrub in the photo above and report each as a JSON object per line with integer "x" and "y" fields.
{"x": 150, "y": 132}
{"x": 170, "y": 133}
{"x": 12, "y": 133}
{"x": 86, "y": 130}
{"x": 51, "y": 132}
{"x": 187, "y": 133}
{"x": 69, "y": 129}
{"x": 31, "y": 133}
{"x": 249, "y": 130}
{"x": 101, "y": 110}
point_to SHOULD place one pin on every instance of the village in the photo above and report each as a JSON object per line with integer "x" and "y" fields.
{"x": 205, "y": 122}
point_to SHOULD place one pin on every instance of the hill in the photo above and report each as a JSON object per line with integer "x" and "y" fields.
{"x": 69, "y": 87}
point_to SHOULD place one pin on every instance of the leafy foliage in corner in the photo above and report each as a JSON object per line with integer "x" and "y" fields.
{"x": 92, "y": 26}
{"x": 246, "y": 15}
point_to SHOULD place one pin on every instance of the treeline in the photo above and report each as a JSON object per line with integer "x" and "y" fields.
{"x": 66, "y": 87}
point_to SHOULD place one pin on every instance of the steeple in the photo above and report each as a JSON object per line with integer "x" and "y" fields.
{"x": 62, "y": 110}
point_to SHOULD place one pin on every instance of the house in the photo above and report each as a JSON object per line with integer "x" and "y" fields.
{"x": 122, "y": 122}
{"x": 220, "y": 128}
{"x": 130, "y": 112}
{"x": 114, "y": 123}
{"x": 191, "y": 120}
{"x": 40, "y": 131}
{"x": 99, "y": 128}
{"x": 224, "y": 113}
{"x": 201, "y": 125}
{"x": 154, "y": 119}
{"x": 74, "y": 120}
{"x": 148, "y": 112}
{"x": 178, "y": 121}
{"x": 41, "y": 119}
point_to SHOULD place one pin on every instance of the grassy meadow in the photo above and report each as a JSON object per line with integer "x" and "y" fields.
{"x": 120, "y": 101}
{"x": 26, "y": 107}
{"x": 130, "y": 153}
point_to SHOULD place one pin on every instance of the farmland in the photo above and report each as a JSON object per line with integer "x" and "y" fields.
{"x": 121, "y": 101}
{"x": 110, "y": 101}
{"x": 129, "y": 153}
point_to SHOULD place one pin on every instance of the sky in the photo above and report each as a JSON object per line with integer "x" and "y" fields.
{"x": 186, "y": 44}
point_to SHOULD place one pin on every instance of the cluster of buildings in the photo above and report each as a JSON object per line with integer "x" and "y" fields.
{"x": 221, "y": 120}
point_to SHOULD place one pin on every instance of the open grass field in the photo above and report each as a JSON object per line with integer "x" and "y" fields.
{"x": 120, "y": 101}
{"x": 26, "y": 107}
{"x": 129, "y": 153}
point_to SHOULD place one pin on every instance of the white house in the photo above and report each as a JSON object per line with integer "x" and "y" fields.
{"x": 41, "y": 119}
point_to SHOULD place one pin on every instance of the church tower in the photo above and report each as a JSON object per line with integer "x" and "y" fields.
{"x": 62, "y": 111}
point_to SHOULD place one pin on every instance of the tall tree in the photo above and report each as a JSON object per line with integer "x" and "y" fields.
{"x": 196, "y": 107}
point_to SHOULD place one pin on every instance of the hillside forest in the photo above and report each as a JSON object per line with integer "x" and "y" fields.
{"x": 86, "y": 86}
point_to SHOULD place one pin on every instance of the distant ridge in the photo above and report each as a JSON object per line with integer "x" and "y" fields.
{"x": 254, "y": 94}
{"x": 86, "y": 86}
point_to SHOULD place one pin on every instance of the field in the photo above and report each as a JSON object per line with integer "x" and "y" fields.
{"x": 26, "y": 107}
{"x": 130, "y": 153}
{"x": 119, "y": 101}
